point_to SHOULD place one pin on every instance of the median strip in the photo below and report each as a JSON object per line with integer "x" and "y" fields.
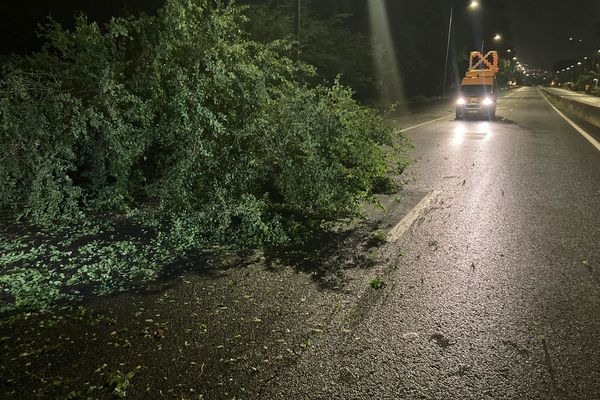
{"x": 583, "y": 133}
{"x": 401, "y": 227}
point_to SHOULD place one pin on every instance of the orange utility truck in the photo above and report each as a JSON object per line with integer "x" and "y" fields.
{"x": 478, "y": 88}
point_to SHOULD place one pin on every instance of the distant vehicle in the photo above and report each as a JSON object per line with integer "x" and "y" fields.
{"x": 478, "y": 89}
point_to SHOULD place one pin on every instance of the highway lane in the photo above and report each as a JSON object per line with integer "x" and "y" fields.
{"x": 498, "y": 294}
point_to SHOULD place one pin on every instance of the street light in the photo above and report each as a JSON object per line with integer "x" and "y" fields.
{"x": 447, "y": 52}
{"x": 474, "y": 4}
{"x": 498, "y": 36}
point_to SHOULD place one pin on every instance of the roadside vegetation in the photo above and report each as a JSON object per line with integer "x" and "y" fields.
{"x": 127, "y": 147}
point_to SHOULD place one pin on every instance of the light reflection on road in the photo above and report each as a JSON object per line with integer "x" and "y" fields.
{"x": 472, "y": 130}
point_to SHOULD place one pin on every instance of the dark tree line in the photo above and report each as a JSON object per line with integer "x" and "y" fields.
{"x": 334, "y": 38}
{"x": 335, "y": 35}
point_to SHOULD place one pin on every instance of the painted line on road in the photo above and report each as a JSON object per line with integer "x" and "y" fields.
{"x": 425, "y": 123}
{"x": 401, "y": 227}
{"x": 450, "y": 115}
{"x": 583, "y": 133}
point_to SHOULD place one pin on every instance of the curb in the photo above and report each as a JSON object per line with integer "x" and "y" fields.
{"x": 586, "y": 112}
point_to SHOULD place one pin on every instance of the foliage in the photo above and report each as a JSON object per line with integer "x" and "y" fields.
{"x": 508, "y": 72}
{"x": 36, "y": 277}
{"x": 583, "y": 79}
{"x": 183, "y": 115}
{"x": 378, "y": 238}
{"x": 121, "y": 381}
{"x": 377, "y": 283}
{"x": 578, "y": 74}
{"x": 326, "y": 40}
{"x": 182, "y": 125}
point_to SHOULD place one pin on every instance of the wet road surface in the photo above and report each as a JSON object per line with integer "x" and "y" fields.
{"x": 494, "y": 292}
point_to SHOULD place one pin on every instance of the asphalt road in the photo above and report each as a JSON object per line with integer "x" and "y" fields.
{"x": 498, "y": 293}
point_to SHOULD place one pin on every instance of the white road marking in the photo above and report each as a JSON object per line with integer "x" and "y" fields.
{"x": 401, "y": 227}
{"x": 583, "y": 133}
{"x": 450, "y": 115}
{"x": 425, "y": 123}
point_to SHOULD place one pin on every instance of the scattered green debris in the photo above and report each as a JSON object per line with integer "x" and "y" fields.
{"x": 122, "y": 381}
{"x": 378, "y": 238}
{"x": 37, "y": 276}
{"x": 203, "y": 329}
{"x": 377, "y": 283}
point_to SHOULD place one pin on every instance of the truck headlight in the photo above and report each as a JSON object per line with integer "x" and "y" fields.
{"x": 461, "y": 101}
{"x": 487, "y": 101}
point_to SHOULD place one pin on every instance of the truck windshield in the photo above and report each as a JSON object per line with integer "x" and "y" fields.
{"x": 475, "y": 90}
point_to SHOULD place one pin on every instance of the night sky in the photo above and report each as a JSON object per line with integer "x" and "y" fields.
{"x": 541, "y": 28}
{"x": 19, "y": 18}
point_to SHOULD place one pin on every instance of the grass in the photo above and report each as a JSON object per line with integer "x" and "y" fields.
{"x": 376, "y": 283}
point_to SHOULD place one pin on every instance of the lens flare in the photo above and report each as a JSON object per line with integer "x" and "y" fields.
{"x": 386, "y": 63}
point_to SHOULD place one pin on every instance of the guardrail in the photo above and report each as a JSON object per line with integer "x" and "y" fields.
{"x": 586, "y": 112}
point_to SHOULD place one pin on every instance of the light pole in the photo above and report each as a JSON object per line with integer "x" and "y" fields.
{"x": 497, "y": 38}
{"x": 447, "y": 53}
{"x": 473, "y": 5}
{"x": 298, "y": 9}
